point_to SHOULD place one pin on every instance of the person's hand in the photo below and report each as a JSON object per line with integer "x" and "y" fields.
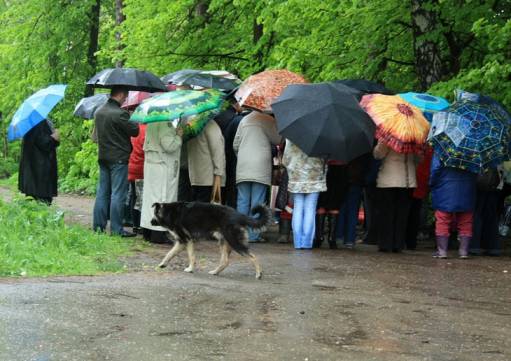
{"x": 55, "y": 135}
{"x": 179, "y": 131}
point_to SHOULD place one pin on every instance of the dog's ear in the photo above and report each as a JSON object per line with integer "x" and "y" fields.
{"x": 156, "y": 205}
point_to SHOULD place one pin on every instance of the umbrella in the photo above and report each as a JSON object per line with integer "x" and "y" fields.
{"x": 366, "y": 86}
{"x": 88, "y": 106}
{"x": 324, "y": 120}
{"x": 175, "y": 76}
{"x": 129, "y": 78}
{"x": 135, "y": 98}
{"x": 426, "y": 102}
{"x": 259, "y": 90}
{"x": 182, "y": 108}
{"x": 400, "y": 125}
{"x": 34, "y": 110}
{"x": 470, "y": 136}
{"x": 206, "y": 80}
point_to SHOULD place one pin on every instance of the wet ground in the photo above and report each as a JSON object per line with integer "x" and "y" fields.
{"x": 310, "y": 305}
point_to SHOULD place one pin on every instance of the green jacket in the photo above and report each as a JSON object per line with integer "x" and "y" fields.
{"x": 114, "y": 132}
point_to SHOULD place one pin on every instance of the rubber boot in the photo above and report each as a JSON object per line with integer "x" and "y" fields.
{"x": 284, "y": 230}
{"x": 464, "y": 245}
{"x": 320, "y": 231}
{"x": 332, "y": 224}
{"x": 442, "y": 243}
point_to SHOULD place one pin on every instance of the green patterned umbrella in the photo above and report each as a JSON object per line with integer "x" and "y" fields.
{"x": 189, "y": 109}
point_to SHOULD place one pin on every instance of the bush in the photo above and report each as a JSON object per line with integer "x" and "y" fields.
{"x": 35, "y": 241}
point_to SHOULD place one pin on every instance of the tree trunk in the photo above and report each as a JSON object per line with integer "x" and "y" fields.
{"x": 92, "y": 60}
{"x": 257, "y": 34}
{"x": 428, "y": 63}
{"x": 119, "y": 18}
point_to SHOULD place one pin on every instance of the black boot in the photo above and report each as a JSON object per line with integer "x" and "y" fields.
{"x": 332, "y": 225}
{"x": 284, "y": 230}
{"x": 320, "y": 231}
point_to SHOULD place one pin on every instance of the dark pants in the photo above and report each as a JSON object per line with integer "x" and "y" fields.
{"x": 201, "y": 193}
{"x": 348, "y": 216}
{"x": 184, "y": 188}
{"x": 414, "y": 222}
{"x": 135, "y": 213}
{"x": 485, "y": 226}
{"x": 371, "y": 218}
{"x": 111, "y": 197}
{"x": 393, "y": 206}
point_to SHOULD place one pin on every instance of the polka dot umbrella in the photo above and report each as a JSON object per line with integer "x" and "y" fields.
{"x": 470, "y": 136}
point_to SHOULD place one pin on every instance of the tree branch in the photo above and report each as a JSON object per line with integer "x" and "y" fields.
{"x": 400, "y": 62}
{"x": 231, "y": 55}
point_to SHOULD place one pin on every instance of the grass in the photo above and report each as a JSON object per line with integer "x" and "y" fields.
{"x": 35, "y": 241}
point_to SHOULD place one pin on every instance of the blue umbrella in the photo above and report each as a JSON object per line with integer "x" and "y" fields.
{"x": 426, "y": 102}
{"x": 470, "y": 136}
{"x": 34, "y": 110}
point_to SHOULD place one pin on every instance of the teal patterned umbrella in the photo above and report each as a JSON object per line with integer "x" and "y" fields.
{"x": 470, "y": 136}
{"x": 188, "y": 109}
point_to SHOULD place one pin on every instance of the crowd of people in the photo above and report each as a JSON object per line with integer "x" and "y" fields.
{"x": 240, "y": 160}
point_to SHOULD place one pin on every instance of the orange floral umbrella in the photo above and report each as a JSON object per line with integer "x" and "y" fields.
{"x": 259, "y": 90}
{"x": 399, "y": 124}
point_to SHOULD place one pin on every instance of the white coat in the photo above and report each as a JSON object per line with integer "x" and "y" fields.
{"x": 162, "y": 149}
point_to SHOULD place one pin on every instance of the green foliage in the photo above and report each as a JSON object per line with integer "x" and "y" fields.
{"x": 35, "y": 241}
{"x": 46, "y": 41}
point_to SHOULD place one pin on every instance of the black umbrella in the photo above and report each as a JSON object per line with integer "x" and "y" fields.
{"x": 88, "y": 106}
{"x": 365, "y": 86}
{"x": 174, "y": 78}
{"x": 324, "y": 120}
{"x": 206, "y": 80}
{"x": 129, "y": 78}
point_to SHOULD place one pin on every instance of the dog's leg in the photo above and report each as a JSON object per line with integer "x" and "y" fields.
{"x": 191, "y": 256}
{"x": 257, "y": 265}
{"x": 172, "y": 253}
{"x": 225, "y": 250}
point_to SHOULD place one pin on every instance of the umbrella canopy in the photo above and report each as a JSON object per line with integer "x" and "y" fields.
{"x": 34, "y": 110}
{"x": 135, "y": 98}
{"x": 182, "y": 108}
{"x": 87, "y": 106}
{"x": 259, "y": 90}
{"x": 324, "y": 120}
{"x": 425, "y": 102}
{"x": 470, "y": 136}
{"x": 177, "y": 75}
{"x": 206, "y": 80}
{"x": 366, "y": 86}
{"x": 399, "y": 124}
{"x": 129, "y": 78}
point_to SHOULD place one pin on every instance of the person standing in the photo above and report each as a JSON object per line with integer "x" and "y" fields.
{"x": 206, "y": 162}
{"x": 38, "y": 166}
{"x": 453, "y": 197}
{"x": 113, "y": 131}
{"x": 395, "y": 183}
{"x": 252, "y": 144}
{"x": 136, "y": 176}
{"x": 162, "y": 149}
{"x": 307, "y": 178}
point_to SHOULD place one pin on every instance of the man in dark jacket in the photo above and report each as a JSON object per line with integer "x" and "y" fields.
{"x": 113, "y": 133}
{"x": 38, "y": 165}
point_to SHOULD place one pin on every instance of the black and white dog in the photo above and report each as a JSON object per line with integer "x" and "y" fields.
{"x": 187, "y": 222}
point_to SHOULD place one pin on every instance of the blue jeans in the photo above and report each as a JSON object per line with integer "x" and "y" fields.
{"x": 111, "y": 197}
{"x": 251, "y": 194}
{"x": 348, "y": 216}
{"x": 304, "y": 219}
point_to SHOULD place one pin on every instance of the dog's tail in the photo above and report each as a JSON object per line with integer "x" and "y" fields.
{"x": 262, "y": 221}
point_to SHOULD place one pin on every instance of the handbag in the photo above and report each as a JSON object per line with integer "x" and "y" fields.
{"x": 277, "y": 170}
{"x": 282, "y": 194}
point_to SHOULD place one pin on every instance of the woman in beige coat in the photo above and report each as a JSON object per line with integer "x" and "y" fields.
{"x": 162, "y": 147}
{"x": 395, "y": 184}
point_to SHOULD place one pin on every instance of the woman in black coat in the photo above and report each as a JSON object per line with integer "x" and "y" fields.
{"x": 38, "y": 165}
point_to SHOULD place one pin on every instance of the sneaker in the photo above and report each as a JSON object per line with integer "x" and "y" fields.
{"x": 127, "y": 234}
{"x": 440, "y": 256}
{"x": 349, "y": 246}
{"x": 463, "y": 256}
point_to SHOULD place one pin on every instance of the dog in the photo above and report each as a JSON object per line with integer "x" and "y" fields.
{"x": 188, "y": 222}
